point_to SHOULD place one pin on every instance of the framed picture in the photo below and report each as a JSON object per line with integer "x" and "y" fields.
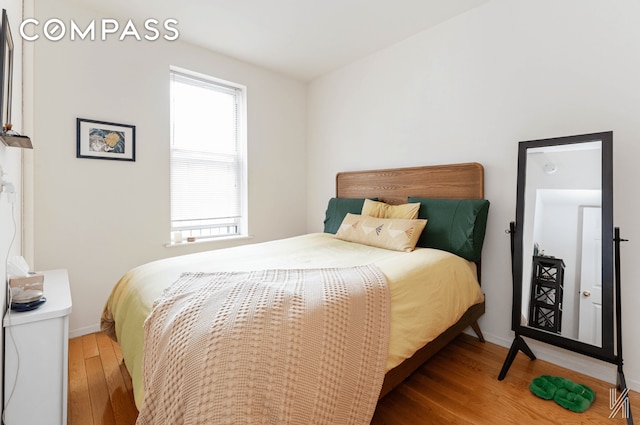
{"x": 105, "y": 140}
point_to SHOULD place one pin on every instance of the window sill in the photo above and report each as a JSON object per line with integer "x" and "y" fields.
{"x": 210, "y": 240}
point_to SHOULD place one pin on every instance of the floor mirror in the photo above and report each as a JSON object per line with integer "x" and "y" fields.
{"x": 565, "y": 250}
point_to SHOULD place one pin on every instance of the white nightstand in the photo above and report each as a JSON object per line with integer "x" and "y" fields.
{"x": 36, "y": 352}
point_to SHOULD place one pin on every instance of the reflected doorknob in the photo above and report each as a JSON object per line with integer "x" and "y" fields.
{"x": 586, "y": 293}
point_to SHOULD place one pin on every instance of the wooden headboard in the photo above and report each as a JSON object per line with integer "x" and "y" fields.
{"x": 393, "y": 186}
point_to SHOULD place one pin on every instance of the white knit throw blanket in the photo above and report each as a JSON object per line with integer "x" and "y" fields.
{"x": 267, "y": 347}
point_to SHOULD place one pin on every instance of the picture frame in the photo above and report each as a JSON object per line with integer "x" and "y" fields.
{"x": 6, "y": 70}
{"x": 105, "y": 140}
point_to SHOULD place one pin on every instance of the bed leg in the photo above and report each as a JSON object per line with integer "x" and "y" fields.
{"x": 476, "y": 329}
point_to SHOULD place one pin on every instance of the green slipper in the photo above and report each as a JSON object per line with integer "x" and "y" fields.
{"x": 545, "y": 386}
{"x": 575, "y": 397}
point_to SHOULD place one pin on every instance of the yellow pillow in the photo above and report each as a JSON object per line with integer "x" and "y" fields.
{"x": 383, "y": 210}
{"x": 390, "y": 233}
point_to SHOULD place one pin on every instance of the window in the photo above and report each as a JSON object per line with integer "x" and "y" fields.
{"x": 208, "y": 157}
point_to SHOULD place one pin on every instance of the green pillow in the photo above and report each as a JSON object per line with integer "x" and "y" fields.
{"x": 454, "y": 225}
{"x": 338, "y": 209}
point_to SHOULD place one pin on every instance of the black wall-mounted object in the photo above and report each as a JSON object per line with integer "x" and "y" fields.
{"x": 6, "y": 70}
{"x": 8, "y": 136}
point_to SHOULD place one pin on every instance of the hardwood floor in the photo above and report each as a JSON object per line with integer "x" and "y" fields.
{"x": 457, "y": 386}
{"x": 100, "y": 391}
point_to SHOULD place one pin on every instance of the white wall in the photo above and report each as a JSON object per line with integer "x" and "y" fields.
{"x": 469, "y": 90}
{"x": 99, "y": 218}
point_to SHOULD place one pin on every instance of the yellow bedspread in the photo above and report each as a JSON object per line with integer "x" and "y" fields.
{"x": 429, "y": 289}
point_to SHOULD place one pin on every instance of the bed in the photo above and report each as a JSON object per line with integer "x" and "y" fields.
{"x": 420, "y": 323}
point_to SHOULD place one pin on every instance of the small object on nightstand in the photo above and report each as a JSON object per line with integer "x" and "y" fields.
{"x": 28, "y": 306}
{"x": 26, "y": 291}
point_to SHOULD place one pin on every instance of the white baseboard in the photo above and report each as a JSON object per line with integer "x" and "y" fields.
{"x": 74, "y": 333}
{"x": 586, "y": 365}
{"x": 633, "y": 384}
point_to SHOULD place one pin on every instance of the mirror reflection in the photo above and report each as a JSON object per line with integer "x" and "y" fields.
{"x": 562, "y": 241}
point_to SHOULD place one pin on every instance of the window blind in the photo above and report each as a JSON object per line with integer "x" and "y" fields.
{"x": 206, "y": 157}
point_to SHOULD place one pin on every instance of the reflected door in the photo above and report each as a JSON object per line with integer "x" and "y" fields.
{"x": 590, "y": 328}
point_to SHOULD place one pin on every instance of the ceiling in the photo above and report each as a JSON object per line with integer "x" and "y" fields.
{"x": 303, "y": 39}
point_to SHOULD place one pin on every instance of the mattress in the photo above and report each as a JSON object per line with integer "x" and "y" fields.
{"x": 429, "y": 289}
